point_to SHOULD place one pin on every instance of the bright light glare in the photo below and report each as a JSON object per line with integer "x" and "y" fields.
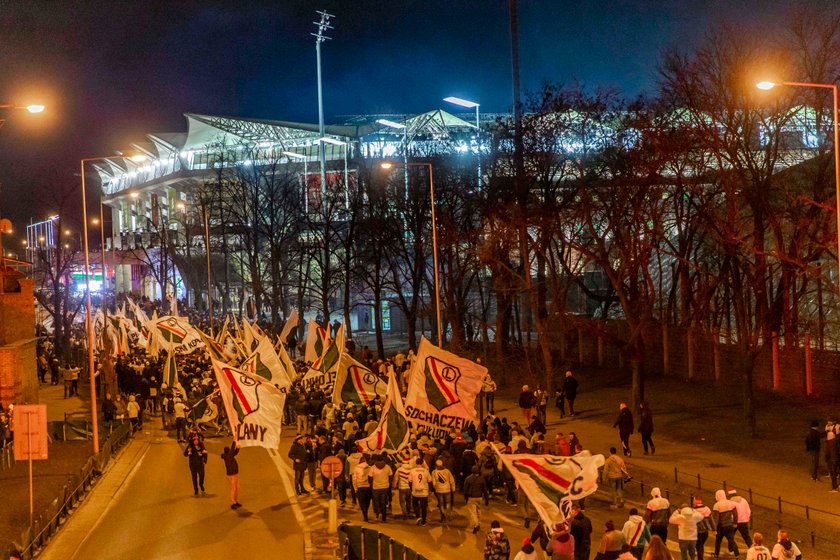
{"x": 765, "y": 85}
{"x": 391, "y": 124}
{"x": 66, "y": 232}
{"x": 180, "y": 205}
{"x": 386, "y": 165}
{"x": 462, "y": 102}
{"x": 134, "y": 195}
{"x": 138, "y": 158}
{"x": 35, "y": 108}
{"x": 95, "y": 221}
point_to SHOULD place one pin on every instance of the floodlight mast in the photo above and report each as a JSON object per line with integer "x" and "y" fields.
{"x": 320, "y": 37}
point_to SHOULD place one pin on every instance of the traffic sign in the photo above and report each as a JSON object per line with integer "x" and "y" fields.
{"x": 331, "y": 467}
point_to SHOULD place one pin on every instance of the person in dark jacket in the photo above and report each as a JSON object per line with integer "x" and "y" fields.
{"x": 299, "y": 456}
{"x": 570, "y": 388}
{"x": 197, "y": 455}
{"x": 581, "y": 529}
{"x": 526, "y": 403}
{"x": 624, "y": 423}
{"x": 812, "y": 446}
{"x": 232, "y": 472}
{"x": 475, "y": 490}
{"x": 646, "y": 427}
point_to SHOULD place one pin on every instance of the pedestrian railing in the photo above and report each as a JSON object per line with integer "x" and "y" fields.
{"x": 821, "y": 535}
{"x": 44, "y": 526}
{"x": 756, "y": 498}
{"x": 361, "y": 543}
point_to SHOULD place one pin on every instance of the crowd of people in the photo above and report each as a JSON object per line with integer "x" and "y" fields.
{"x": 461, "y": 468}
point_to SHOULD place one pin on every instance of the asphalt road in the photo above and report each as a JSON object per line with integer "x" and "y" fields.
{"x": 154, "y": 513}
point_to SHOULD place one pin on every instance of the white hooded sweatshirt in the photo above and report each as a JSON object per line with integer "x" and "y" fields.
{"x": 658, "y": 509}
{"x": 686, "y": 519}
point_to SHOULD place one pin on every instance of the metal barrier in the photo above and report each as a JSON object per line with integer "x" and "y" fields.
{"x": 44, "y": 526}
{"x": 361, "y": 543}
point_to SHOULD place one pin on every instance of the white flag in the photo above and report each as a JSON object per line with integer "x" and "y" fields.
{"x": 442, "y": 387}
{"x": 291, "y": 323}
{"x": 254, "y": 406}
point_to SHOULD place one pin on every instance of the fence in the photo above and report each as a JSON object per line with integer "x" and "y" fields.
{"x": 823, "y": 538}
{"x": 45, "y": 525}
{"x": 360, "y": 543}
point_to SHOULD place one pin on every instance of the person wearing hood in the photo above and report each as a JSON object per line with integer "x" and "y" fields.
{"x": 785, "y": 549}
{"x": 381, "y": 474}
{"x": 703, "y": 527}
{"x": 743, "y": 514}
{"x": 496, "y": 544}
{"x": 624, "y": 423}
{"x": 686, "y": 519}
{"x": 527, "y": 552}
{"x": 658, "y": 512}
{"x": 724, "y": 516}
{"x": 758, "y": 551}
{"x": 444, "y": 484}
{"x": 636, "y": 533}
{"x": 132, "y": 409}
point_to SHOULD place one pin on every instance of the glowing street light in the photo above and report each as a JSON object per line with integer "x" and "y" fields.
{"x": 466, "y": 103}
{"x": 390, "y": 165}
{"x": 767, "y": 85}
{"x": 35, "y": 108}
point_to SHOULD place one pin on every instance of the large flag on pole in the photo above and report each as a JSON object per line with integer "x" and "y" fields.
{"x": 291, "y": 323}
{"x": 178, "y": 331}
{"x": 355, "y": 383}
{"x": 316, "y": 342}
{"x": 442, "y": 388}
{"x": 254, "y": 406}
{"x": 170, "y": 370}
{"x": 287, "y": 363}
{"x": 548, "y": 479}
{"x": 265, "y": 363}
{"x": 391, "y": 434}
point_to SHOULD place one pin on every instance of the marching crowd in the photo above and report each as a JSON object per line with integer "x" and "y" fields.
{"x": 463, "y": 467}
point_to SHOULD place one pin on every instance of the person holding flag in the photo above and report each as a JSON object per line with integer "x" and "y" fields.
{"x": 232, "y": 472}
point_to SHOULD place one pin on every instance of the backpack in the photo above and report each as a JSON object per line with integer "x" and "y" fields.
{"x": 170, "y": 405}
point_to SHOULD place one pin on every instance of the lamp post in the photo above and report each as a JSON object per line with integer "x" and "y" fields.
{"x": 88, "y": 314}
{"x": 833, "y": 87}
{"x": 469, "y": 105}
{"x": 404, "y": 128}
{"x": 389, "y": 165}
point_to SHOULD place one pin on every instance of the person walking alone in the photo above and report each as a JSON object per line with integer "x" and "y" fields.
{"x": 646, "y": 427}
{"x": 526, "y": 403}
{"x": 475, "y": 491}
{"x": 197, "y": 455}
{"x": 570, "y": 389}
{"x": 624, "y": 423}
{"x": 232, "y": 472}
{"x": 813, "y": 443}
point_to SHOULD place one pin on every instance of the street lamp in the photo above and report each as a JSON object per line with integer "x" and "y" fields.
{"x": 389, "y": 165}
{"x": 88, "y": 314}
{"x": 466, "y": 103}
{"x": 404, "y": 128}
{"x": 767, "y": 85}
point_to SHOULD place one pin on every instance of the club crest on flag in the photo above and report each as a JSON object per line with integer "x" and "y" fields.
{"x": 441, "y": 383}
{"x": 360, "y": 385}
{"x": 243, "y": 392}
{"x": 171, "y": 331}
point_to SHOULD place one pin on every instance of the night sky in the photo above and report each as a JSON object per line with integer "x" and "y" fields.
{"x": 112, "y": 71}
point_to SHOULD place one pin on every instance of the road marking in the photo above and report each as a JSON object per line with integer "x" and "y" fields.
{"x": 286, "y": 478}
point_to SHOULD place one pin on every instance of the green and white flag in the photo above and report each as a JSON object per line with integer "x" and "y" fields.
{"x": 179, "y": 332}
{"x": 548, "y": 480}
{"x": 265, "y": 363}
{"x": 442, "y": 388}
{"x": 290, "y": 324}
{"x": 254, "y": 406}
{"x": 317, "y": 339}
{"x": 391, "y": 434}
{"x": 355, "y": 383}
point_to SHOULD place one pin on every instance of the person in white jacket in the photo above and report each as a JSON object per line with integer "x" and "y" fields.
{"x": 686, "y": 519}
{"x": 636, "y": 533}
{"x": 742, "y": 523}
{"x": 444, "y": 484}
{"x": 725, "y": 517}
{"x": 657, "y": 511}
